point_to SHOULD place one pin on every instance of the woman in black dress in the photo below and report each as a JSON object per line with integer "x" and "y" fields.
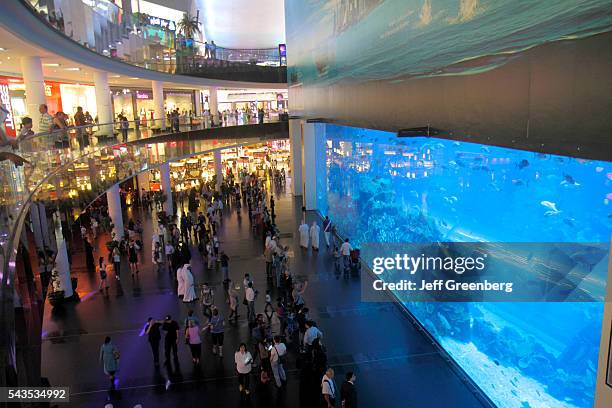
{"x": 133, "y": 257}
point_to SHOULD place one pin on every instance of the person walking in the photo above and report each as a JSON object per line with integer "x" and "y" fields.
{"x": 208, "y": 299}
{"x": 133, "y": 256}
{"x": 233, "y": 302}
{"x": 327, "y": 227}
{"x": 109, "y": 357}
{"x": 103, "y": 274}
{"x": 189, "y": 282}
{"x": 154, "y": 337}
{"x": 157, "y": 254}
{"x": 117, "y": 262}
{"x": 192, "y": 334}
{"x": 328, "y": 389}
{"x": 315, "y": 231}
{"x": 277, "y": 357}
{"x": 304, "y": 234}
{"x": 180, "y": 278}
{"x": 124, "y": 125}
{"x": 250, "y": 298}
{"x": 348, "y": 393}
{"x": 345, "y": 252}
{"x": 217, "y": 329}
{"x": 312, "y": 333}
{"x": 171, "y": 328}
{"x": 243, "y": 360}
{"x": 224, "y": 266}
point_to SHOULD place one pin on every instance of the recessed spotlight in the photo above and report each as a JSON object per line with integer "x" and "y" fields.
{"x": 51, "y": 64}
{"x": 73, "y": 69}
{"x": 134, "y": 78}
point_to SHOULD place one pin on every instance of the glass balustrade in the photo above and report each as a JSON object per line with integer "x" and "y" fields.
{"x": 103, "y": 154}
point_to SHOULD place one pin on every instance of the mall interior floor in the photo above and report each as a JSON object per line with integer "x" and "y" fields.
{"x": 396, "y": 366}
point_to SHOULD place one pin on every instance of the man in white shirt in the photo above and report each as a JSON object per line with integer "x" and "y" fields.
{"x": 312, "y": 333}
{"x": 250, "y": 297}
{"x": 345, "y": 251}
{"x": 46, "y": 121}
{"x": 328, "y": 388}
{"x": 276, "y": 356}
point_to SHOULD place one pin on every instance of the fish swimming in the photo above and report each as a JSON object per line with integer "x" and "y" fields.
{"x": 523, "y": 163}
{"x": 551, "y": 206}
{"x": 569, "y": 180}
{"x": 517, "y": 182}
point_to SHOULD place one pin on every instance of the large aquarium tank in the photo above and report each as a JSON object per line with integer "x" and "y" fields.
{"x": 378, "y": 187}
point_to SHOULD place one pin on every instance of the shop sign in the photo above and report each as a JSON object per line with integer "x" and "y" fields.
{"x": 48, "y": 90}
{"x": 5, "y": 99}
{"x": 143, "y": 95}
{"x": 162, "y": 22}
{"x": 179, "y": 94}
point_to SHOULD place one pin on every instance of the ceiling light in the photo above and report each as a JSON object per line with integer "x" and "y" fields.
{"x": 2, "y": 49}
{"x": 134, "y": 78}
{"x": 115, "y": 76}
{"x": 51, "y": 64}
{"x": 73, "y": 69}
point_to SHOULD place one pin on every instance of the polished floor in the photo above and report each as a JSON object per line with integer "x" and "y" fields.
{"x": 395, "y": 364}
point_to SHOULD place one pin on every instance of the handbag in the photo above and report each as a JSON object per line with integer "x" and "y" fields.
{"x": 244, "y": 301}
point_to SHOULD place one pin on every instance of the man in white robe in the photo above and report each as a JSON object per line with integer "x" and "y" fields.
{"x": 303, "y": 230}
{"x": 180, "y": 277}
{"x": 314, "y": 235}
{"x": 190, "y": 294}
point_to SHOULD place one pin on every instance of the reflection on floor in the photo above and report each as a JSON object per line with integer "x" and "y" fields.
{"x": 394, "y": 363}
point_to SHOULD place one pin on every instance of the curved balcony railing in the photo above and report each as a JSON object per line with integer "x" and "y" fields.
{"x": 60, "y": 161}
{"x": 48, "y": 152}
{"x": 152, "y": 43}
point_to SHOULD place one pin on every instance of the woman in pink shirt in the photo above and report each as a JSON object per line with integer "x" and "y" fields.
{"x": 192, "y": 334}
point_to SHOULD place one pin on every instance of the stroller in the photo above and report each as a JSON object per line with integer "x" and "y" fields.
{"x": 355, "y": 263}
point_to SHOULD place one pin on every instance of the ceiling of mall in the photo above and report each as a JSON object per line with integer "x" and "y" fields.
{"x": 243, "y": 23}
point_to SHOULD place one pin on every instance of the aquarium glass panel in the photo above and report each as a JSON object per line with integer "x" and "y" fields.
{"x": 382, "y": 188}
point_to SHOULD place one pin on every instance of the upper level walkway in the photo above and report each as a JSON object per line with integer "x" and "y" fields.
{"x": 395, "y": 364}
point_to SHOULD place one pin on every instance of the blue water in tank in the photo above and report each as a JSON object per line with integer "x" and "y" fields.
{"x": 377, "y": 187}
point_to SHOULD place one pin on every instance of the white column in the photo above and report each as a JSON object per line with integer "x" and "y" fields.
{"x": 197, "y": 111}
{"x": 104, "y": 103}
{"x": 310, "y": 164}
{"x": 158, "y": 101}
{"x": 295, "y": 139}
{"x": 34, "y": 81}
{"x": 213, "y": 104}
{"x": 114, "y": 210}
{"x": 143, "y": 182}
{"x": 164, "y": 170}
{"x": 218, "y": 168}
{"x": 62, "y": 266}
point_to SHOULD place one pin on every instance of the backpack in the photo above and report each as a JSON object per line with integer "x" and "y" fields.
{"x": 281, "y": 359}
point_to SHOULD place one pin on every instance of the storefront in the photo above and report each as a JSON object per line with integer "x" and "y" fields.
{"x": 181, "y": 100}
{"x": 144, "y": 105}
{"x": 123, "y": 103}
{"x": 192, "y": 172}
{"x": 75, "y": 95}
{"x": 14, "y": 98}
{"x": 138, "y": 103}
